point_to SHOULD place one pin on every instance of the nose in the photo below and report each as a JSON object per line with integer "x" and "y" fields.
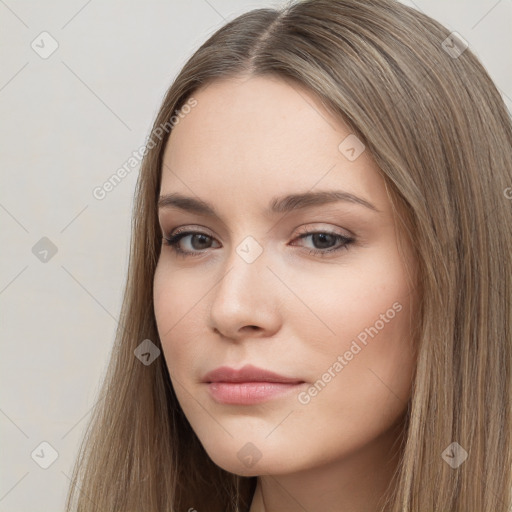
{"x": 246, "y": 301}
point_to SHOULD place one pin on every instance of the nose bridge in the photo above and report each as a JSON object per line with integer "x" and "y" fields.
{"x": 246, "y": 269}
{"x": 244, "y": 296}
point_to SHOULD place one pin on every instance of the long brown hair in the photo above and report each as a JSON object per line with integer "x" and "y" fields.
{"x": 439, "y": 130}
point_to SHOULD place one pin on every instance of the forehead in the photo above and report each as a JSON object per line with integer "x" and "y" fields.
{"x": 260, "y": 136}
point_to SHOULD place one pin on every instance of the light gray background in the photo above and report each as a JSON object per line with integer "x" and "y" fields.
{"x": 68, "y": 123}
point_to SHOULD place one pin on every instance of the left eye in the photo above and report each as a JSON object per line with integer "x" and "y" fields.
{"x": 326, "y": 238}
{"x": 323, "y": 238}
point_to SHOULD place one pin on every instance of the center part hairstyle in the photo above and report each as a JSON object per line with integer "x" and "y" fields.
{"x": 439, "y": 131}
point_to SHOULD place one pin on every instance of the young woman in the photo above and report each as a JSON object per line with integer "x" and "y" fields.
{"x": 318, "y": 306}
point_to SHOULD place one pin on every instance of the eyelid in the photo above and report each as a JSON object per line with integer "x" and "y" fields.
{"x": 197, "y": 229}
{"x": 307, "y": 229}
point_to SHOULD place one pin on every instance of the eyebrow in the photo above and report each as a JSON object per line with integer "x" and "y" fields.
{"x": 277, "y": 205}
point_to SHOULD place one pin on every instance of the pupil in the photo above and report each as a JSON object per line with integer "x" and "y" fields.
{"x": 322, "y": 237}
{"x": 203, "y": 237}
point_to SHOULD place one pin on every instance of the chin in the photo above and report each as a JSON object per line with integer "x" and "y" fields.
{"x": 247, "y": 459}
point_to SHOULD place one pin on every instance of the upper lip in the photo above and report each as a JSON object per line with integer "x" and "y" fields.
{"x": 247, "y": 373}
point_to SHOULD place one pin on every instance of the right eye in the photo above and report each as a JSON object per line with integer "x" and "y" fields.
{"x": 198, "y": 242}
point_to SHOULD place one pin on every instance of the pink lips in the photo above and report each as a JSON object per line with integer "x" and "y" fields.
{"x": 248, "y": 385}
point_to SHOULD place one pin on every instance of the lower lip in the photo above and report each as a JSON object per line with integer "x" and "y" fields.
{"x": 248, "y": 393}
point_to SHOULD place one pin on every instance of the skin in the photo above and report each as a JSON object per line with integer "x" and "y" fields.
{"x": 248, "y": 140}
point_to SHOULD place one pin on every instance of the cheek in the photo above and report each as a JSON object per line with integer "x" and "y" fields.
{"x": 357, "y": 399}
{"x": 176, "y": 297}
{"x": 373, "y": 387}
{"x": 368, "y": 298}
{"x": 379, "y": 360}
{"x": 176, "y": 305}
{"x": 366, "y": 365}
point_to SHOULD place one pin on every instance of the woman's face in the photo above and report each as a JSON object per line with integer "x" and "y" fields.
{"x": 283, "y": 275}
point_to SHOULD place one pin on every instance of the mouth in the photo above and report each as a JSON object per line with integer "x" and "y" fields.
{"x": 248, "y": 385}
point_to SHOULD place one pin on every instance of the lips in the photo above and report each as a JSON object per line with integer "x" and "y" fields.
{"x": 247, "y": 386}
{"x": 247, "y": 373}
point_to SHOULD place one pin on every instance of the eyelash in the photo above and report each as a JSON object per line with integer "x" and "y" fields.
{"x": 173, "y": 242}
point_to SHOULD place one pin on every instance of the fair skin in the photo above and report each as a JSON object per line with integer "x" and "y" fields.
{"x": 294, "y": 313}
